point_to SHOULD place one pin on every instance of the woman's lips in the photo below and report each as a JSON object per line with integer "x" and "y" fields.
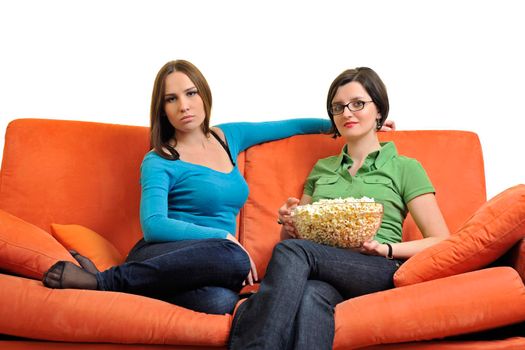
{"x": 350, "y": 124}
{"x": 186, "y": 118}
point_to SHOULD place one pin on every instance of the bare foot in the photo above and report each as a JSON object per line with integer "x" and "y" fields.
{"x": 64, "y": 274}
{"x": 86, "y": 264}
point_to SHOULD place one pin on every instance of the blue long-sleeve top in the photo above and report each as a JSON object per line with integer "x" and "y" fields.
{"x": 182, "y": 200}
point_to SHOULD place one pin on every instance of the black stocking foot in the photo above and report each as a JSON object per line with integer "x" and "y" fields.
{"x": 64, "y": 274}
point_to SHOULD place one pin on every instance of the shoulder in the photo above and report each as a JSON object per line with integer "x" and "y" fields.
{"x": 327, "y": 162}
{"x": 407, "y": 170}
{"x": 152, "y": 157}
{"x": 219, "y": 132}
{"x": 325, "y": 166}
{"x": 153, "y": 161}
{"x": 407, "y": 162}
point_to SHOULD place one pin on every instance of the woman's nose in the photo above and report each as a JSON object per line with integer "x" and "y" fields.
{"x": 347, "y": 112}
{"x": 184, "y": 105}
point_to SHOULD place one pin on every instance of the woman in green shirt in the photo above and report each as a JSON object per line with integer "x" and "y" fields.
{"x": 305, "y": 280}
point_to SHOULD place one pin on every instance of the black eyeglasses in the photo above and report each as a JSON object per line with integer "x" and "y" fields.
{"x": 353, "y": 106}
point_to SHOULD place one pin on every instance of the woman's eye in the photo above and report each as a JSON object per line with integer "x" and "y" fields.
{"x": 192, "y": 93}
{"x": 337, "y": 108}
{"x": 169, "y": 99}
{"x": 357, "y": 104}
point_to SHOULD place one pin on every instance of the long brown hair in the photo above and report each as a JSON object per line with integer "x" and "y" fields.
{"x": 373, "y": 85}
{"x": 161, "y": 130}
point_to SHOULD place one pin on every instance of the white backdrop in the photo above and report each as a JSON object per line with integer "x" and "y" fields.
{"x": 447, "y": 64}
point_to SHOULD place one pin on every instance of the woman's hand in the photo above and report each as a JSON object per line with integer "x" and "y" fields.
{"x": 285, "y": 217}
{"x": 252, "y": 275}
{"x": 373, "y": 247}
{"x": 389, "y": 125}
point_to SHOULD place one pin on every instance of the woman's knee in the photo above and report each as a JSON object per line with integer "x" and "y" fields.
{"x": 236, "y": 258}
{"x": 319, "y": 294}
{"x": 293, "y": 248}
{"x": 220, "y": 301}
{"x": 210, "y": 300}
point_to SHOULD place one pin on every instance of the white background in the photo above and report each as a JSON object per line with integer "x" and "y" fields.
{"x": 447, "y": 64}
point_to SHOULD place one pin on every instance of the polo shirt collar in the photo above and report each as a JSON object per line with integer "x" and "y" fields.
{"x": 380, "y": 157}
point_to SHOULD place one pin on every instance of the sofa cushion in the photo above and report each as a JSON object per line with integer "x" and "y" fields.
{"x": 74, "y": 315}
{"x": 486, "y": 236}
{"x": 466, "y": 303}
{"x": 27, "y": 250}
{"x": 89, "y": 244}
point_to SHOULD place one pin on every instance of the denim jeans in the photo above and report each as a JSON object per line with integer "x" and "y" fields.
{"x": 294, "y": 308}
{"x": 202, "y": 275}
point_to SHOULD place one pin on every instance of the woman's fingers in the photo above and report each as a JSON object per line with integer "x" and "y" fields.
{"x": 292, "y": 202}
{"x": 389, "y": 125}
{"x": 285, "y": 211}
{"x": 252, "y": 275}
{"x": 249, "y": 279}
{"x": 254, "y": 271}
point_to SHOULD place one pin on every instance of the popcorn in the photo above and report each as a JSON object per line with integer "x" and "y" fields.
{"x": 345, "y": 223}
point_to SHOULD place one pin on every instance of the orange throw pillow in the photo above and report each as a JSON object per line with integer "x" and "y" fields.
{"x": 487, "y": 235}
{"x": 26, "y": 249}
{"x": 89, "y": 244}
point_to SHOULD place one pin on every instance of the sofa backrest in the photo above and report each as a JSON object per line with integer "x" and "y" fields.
{"x": 277, "y": 170}
{"x": 71, "y": 172}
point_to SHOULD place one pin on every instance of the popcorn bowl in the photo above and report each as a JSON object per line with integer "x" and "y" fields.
{"x": 344, "y": 223}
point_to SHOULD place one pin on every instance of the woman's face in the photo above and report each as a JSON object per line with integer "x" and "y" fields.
{"x": 182, "y": 103}
{"x": 357, "y": 123}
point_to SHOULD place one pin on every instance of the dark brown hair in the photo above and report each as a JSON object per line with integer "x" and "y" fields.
{"x": 370, "y": 81}
{"x": 161, "y": 130}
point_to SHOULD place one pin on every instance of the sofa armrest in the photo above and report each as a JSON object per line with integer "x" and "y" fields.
{"x": 73, "y": 315}
{"x": 459, "y": 304}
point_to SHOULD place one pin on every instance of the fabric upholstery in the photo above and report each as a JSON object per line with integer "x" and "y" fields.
{"x": 402, "y": 314}
{"x": 43, "y": 345}
{"x": 27, "y": 250}
{"x": 89, "y": 244}
{"x": 75, "y": 172}
{"x": 486, "y": 236}
{"x": 53, "y": 314}
{"x": 88, "y": 174}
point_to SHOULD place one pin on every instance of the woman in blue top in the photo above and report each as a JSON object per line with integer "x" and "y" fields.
{"x": 192, "y": 191}
{"x": 305, "y": 280}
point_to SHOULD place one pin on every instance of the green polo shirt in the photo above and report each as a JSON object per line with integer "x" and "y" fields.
{"x": 389, "y": 178}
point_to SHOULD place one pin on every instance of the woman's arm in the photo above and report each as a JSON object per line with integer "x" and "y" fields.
{"x": 161, "y": 228}
{"x": 429, "y": 220}
{"x": 240, "y": 136}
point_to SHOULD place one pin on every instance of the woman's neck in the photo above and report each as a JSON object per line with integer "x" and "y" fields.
{"x": 360, "y": 148}
{"x": 194, "y": 139}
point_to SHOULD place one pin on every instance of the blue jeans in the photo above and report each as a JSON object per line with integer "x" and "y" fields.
{"x": 294, "y": 308}
{"x": 202, "y": 275}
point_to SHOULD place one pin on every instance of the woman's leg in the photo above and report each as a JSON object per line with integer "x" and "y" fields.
{"x": 314, "y": 322}
{"x": 210, "y": 300}
{"x": 265, "y": 320}
{"x": 163, "y": 268}
{"x": 180, "y": 266}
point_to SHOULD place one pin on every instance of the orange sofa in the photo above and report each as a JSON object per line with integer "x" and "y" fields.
{"x": 465, "y": 293}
